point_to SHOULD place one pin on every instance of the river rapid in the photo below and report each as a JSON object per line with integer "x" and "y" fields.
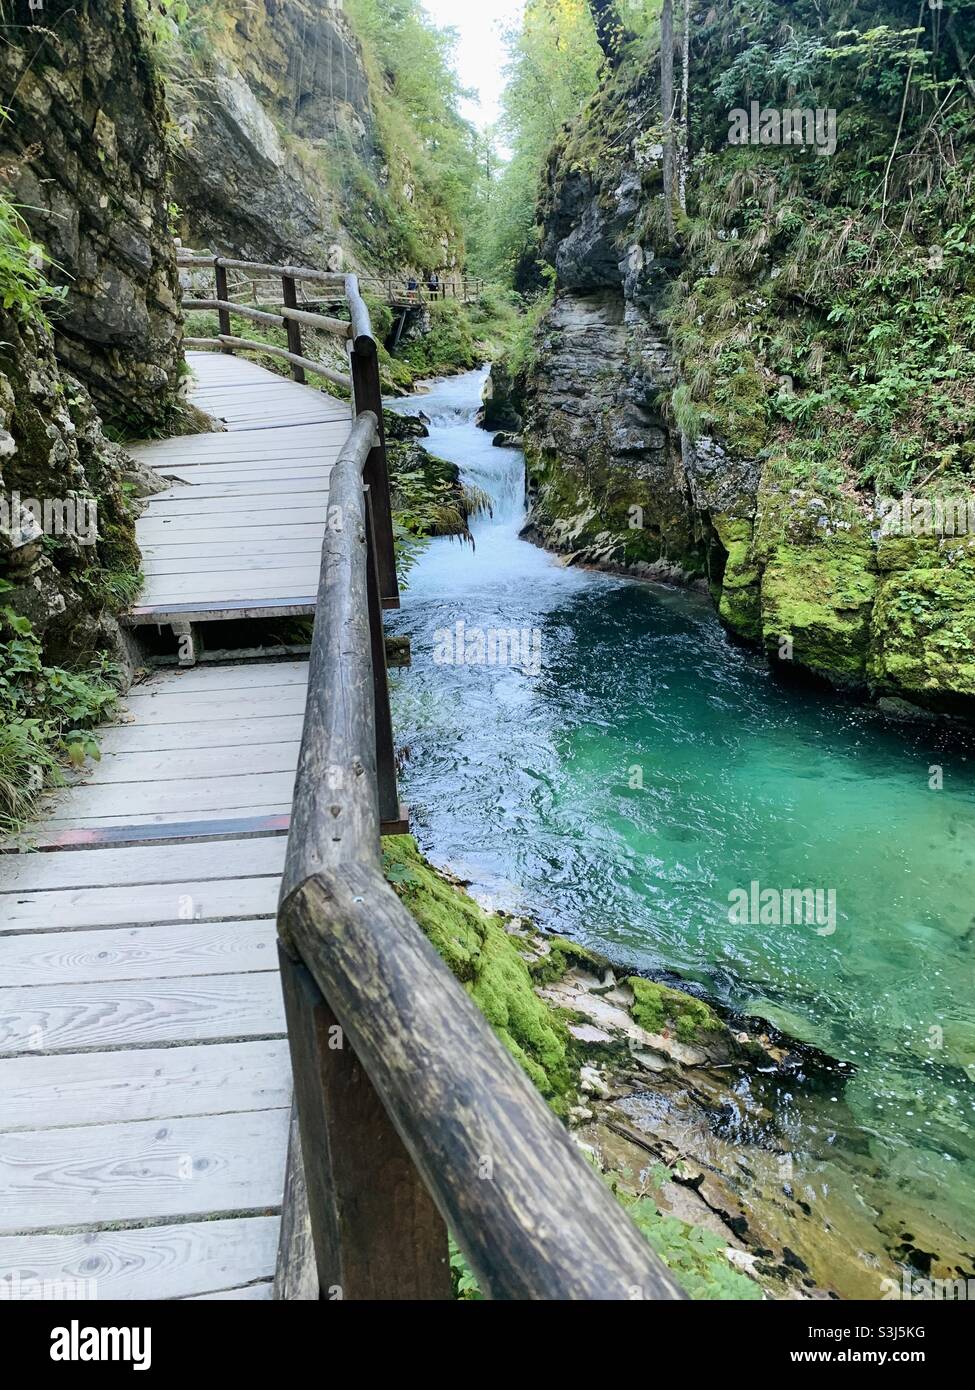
{"x": 633, "y": 769}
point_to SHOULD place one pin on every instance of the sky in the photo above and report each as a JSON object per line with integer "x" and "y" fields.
{"x": 480, "y": 54}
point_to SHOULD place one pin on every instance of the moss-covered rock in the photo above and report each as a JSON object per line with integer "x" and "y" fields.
{"x": 488, "y": 963}
{"x": 657, "y": 1007}
{"x": 816, "y": 607}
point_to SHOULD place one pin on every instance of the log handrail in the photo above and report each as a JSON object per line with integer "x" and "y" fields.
{"x": 412, "y": 1117}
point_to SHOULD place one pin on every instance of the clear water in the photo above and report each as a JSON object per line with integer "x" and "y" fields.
{"x": 650, "y": 768}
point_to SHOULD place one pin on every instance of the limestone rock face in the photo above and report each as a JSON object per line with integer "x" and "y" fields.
{"x": 85, "y": 159}
{"x": 604, "y": 470}
{"x": 623, "y": 474}
{"x": 52, "y": 451}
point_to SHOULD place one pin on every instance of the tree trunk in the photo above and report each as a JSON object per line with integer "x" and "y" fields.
{"x": 685, "y": 118}
{"x": 667, "y": 106}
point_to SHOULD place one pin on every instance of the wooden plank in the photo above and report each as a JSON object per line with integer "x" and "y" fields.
{"x": 213, "y": 519}
{"x": 199, "y": 611}
{"x": 227, "y": 590}
{"x": 165, "y": 708}
{"x": 232, "y": 676}
{"x": 239, "y": 491}
{"x": 172, "y": 796}
{"x": 253, "y": 1293}
{"x": 94, "y": 1088}
{"x": 154, "y": 1262}
{"x": 71, "y": 908}
{"x": 125, "y": 1013}
{"x": 144, "y": 1170}
{"x": 222, "y": 564}
{"x": 201, "y": 734}
{"x": 169, "y": 548}
{"x": 85, "y": 833}
{"x": 137, "y": 953}
{"x": 207, "y": 762}
{"x": 166, "y": 865}
{"x": 192, "y": 501}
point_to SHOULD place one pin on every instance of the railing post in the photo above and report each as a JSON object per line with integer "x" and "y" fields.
{"x": 290, "y": 296}
{"x": 367, "y": 394}
{"x": 223, "y": 315}
{"x": 389, "y": 808}
{"x": 376, "y": 1231}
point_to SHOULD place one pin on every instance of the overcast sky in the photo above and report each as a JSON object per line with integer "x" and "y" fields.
{"x": 480, "y": 52}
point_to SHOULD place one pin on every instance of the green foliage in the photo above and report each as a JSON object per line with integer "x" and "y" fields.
{"x": 448, "y": 346}
{"x": 46, "y": 714}
{"x": 696, "y": 1257}
{"x": 24, "y": 288}
{"x": 431, "y": 152}
{"x": 554, "y": 66}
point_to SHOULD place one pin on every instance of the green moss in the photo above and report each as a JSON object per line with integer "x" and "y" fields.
{"x": 564, "y": 955}
{"x": 820, "y": 597}
{"x": 739, "y": 600}
{"x": 486, "y": 960}
{"x": 657, "y": 1006}
{"x": 923, "y": 632}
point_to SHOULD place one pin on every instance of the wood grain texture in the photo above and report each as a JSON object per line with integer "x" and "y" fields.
{"x": 296, "y": 1273}
{"x": 188, "y": 1166}
{"x": 126, "y": 1013}
{"x": 96, "y": 1088}
{"x": 377, "y": 1234}
{"x": 154, "y": 1262}
{"x": 199, "y": 900}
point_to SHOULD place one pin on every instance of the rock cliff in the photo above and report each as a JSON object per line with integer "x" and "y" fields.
{"x": 84, "y": 155}
{"x": 733, "y": 401}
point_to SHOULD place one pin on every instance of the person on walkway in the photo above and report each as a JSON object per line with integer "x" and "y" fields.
{"x": 433, "y": 284}
{"x": 412, "y": 285}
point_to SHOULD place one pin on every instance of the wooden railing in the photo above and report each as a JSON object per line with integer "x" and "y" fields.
{"x": 410, "y": 1117}
{"x": 363, "y": 379}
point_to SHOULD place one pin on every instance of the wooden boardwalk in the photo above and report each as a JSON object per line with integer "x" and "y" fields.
{"x": 145, "y": 1084}
{"x": 240, "y": 532}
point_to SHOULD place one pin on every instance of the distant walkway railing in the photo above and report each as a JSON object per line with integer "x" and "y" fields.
{"x": 362, "y": 379}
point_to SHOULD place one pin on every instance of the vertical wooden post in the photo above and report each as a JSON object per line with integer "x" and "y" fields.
{"x": 223, "y": 315}
{"x": 376, "y": 1230}
{"x": 389, "y": 808}
{"x": 367, "y": 394}
{"x": 290, "y": 297}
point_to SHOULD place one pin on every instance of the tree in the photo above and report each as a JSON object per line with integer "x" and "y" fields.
{"x": 667, "y": 106}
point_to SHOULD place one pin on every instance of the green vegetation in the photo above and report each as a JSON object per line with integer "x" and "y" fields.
{"x": 46, "y": 714}
{"x": 553, "y": 68}
{"x": 24, "y": 288}
{"x": 489, "y": 963}
{"x": 431, "y": 153}
{"x": 656, "y": 1007}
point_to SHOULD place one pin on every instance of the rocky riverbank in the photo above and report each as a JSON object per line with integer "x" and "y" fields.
{"x": 691, "y": 1114}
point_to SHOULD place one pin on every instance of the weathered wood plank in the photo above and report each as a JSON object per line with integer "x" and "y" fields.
{"x": 154, "y": 1262}
{"x": 192, "y": 1008}
{"x": 143, "y": 1170}
{"x": 95, "y": 1088}
{"x": 137, "y": 953}
{"x": 253, "y": 1293}
{"x": 208, "y": 762}
{"x": 174, "y": 864}
{"x": 203, "y": 900}
{"x": 175, "y": 795}
{"x": 243, "y": 733}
